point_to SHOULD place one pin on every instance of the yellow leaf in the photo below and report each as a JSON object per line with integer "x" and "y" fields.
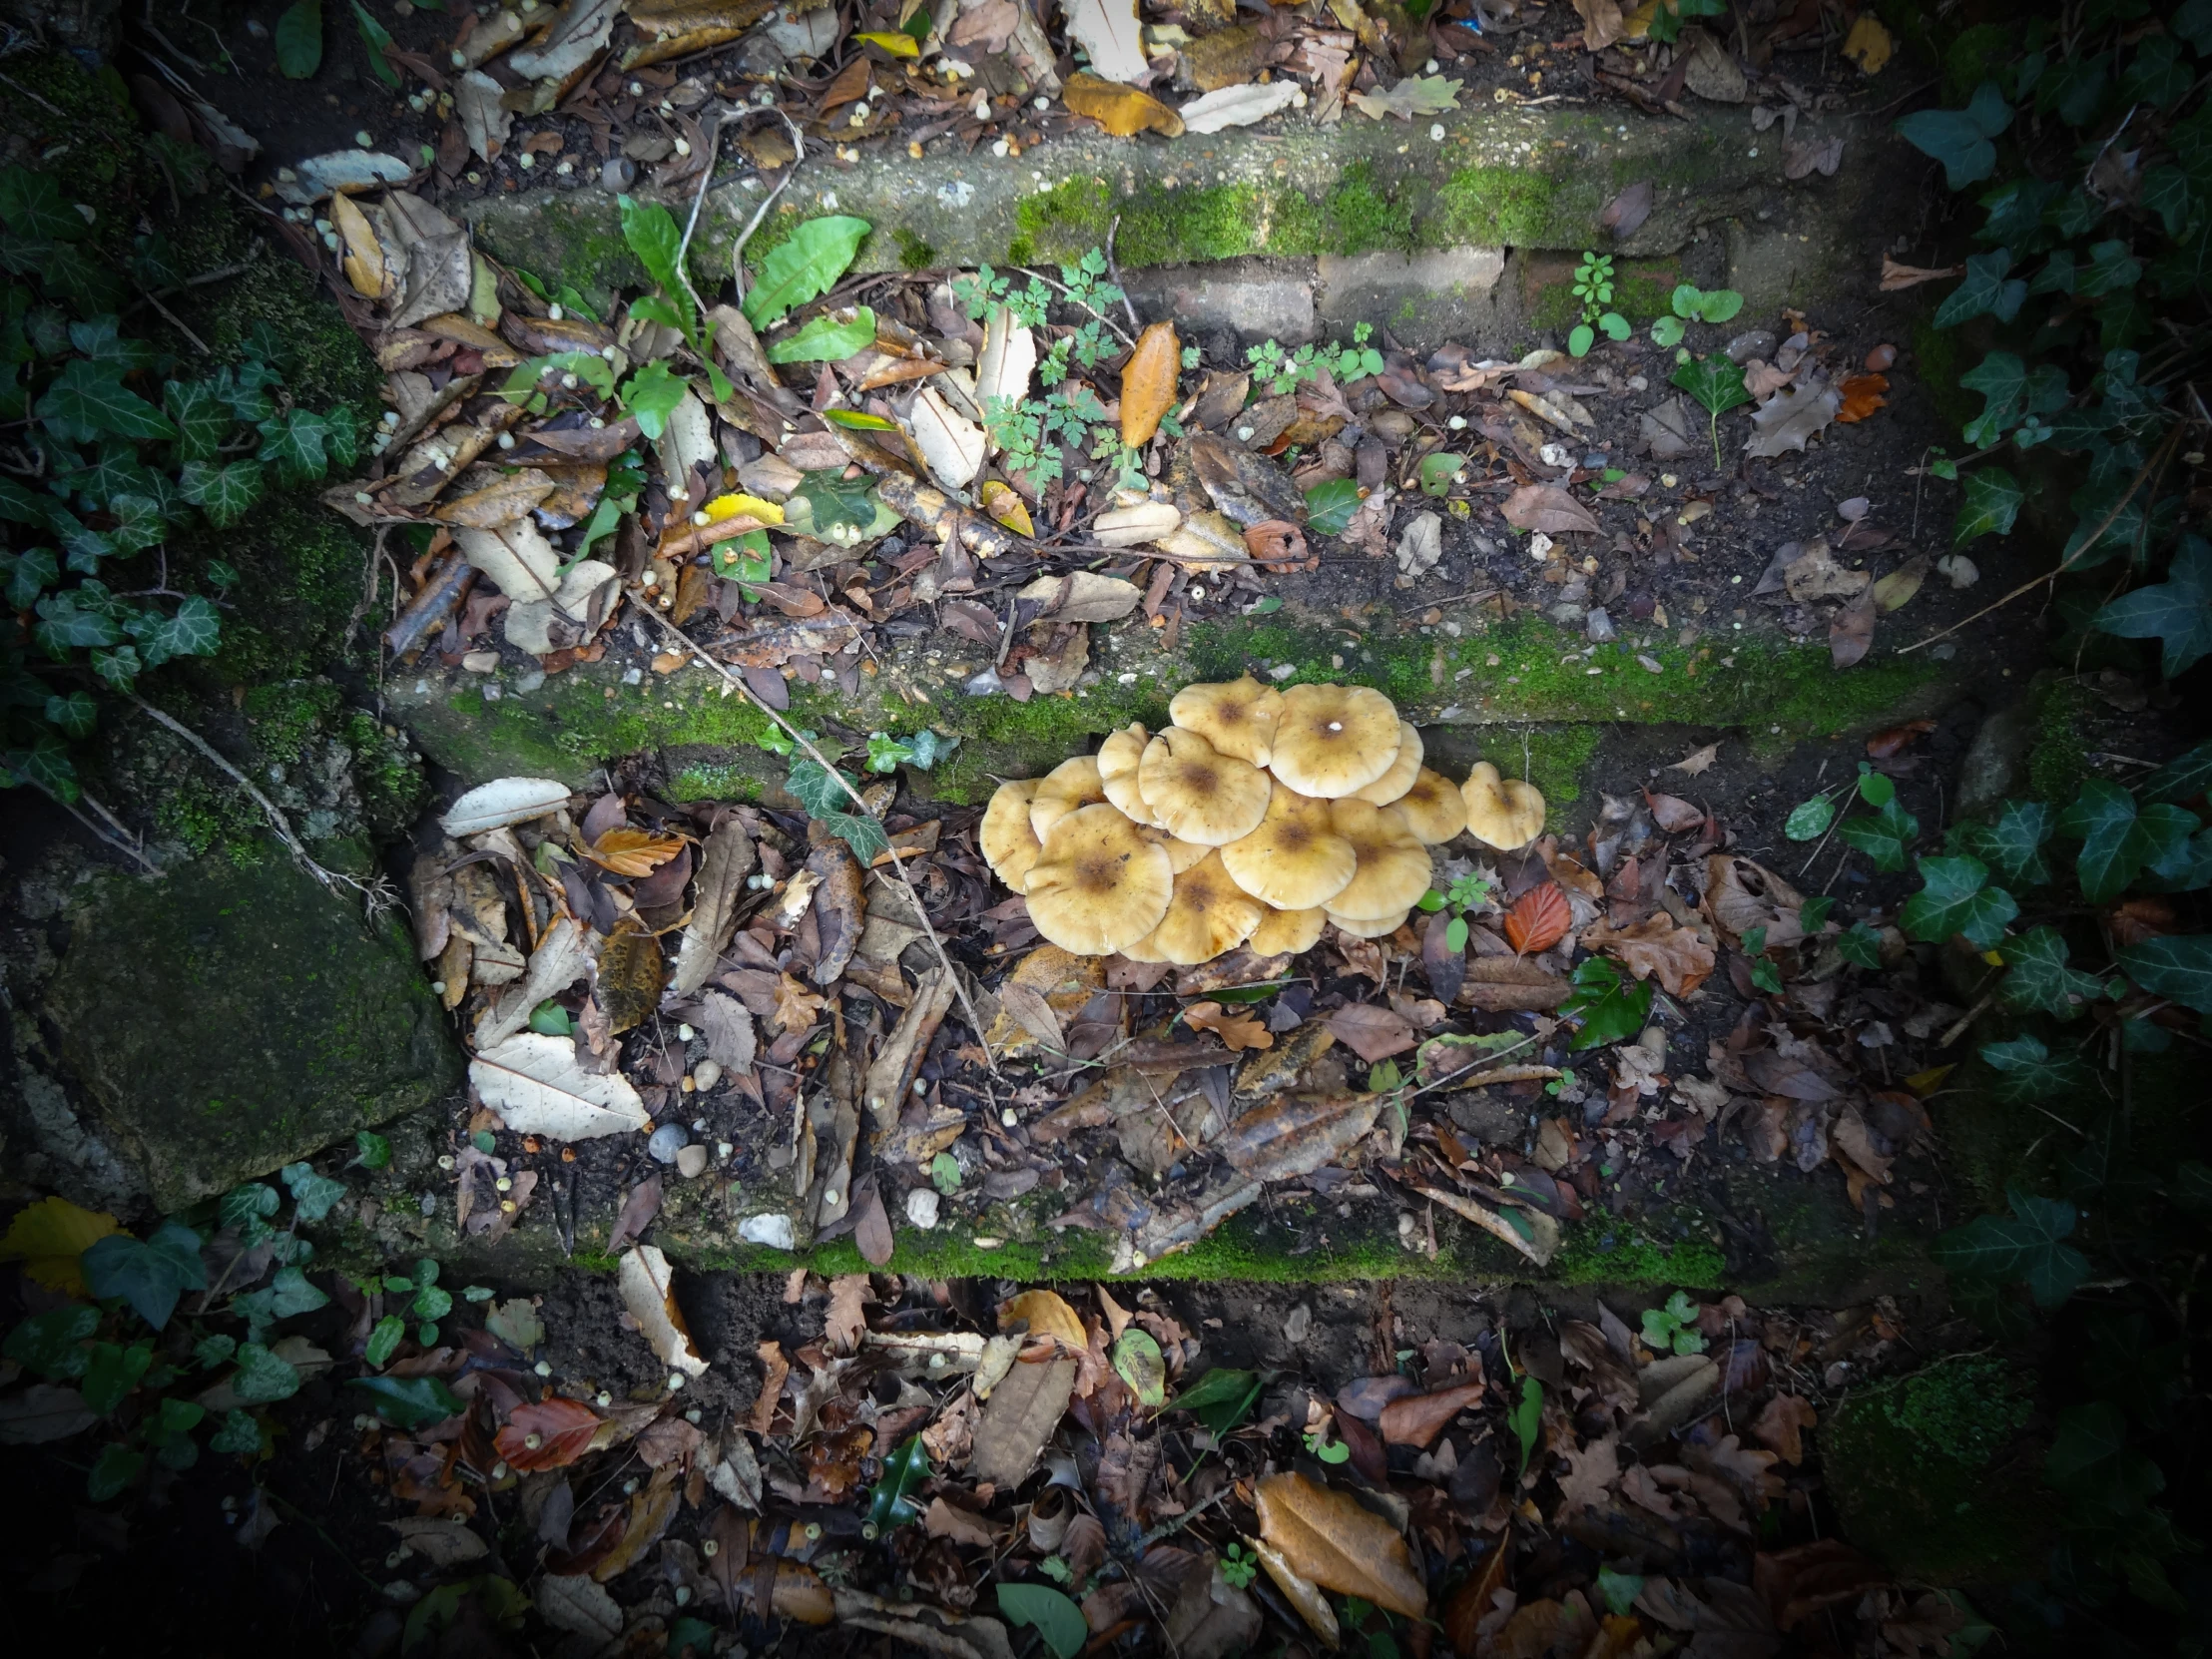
{"x": 365, "y": 262}
{"x": 1148, "y": 383}
{"x": 1326, "y": 1536}
{"x": 1925, "y": 1083}
{"x": 1869, "y": 44}
{"x": 1047, "y": 1315}
{"x": 859, "y": 420}
{"x": 49, "y": 1235}
{"x": 1122, "y": 111}
{"x": 631, "y": 975}
{"x": 629, "y": 852}
{"x": 729, "y": 506}
{"x": 898, "y": 45}
{"x": 1638, "y": 22}
{"x": 1004, "y": 503}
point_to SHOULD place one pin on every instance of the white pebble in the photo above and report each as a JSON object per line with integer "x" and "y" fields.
{"x": 921, "y": 1207}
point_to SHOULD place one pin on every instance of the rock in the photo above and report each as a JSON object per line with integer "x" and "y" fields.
{"x": 1257, "y": 299}
{"x": 772, "y": 1229}
{"x": 224, "y": 1021}
{"x": 691, "y": 1162}
{"x": 705, "y": 1075}
{"x": 667, "y": 1143}
{"x": 921, "y": 1207}
{"x": 1996, "y": 760}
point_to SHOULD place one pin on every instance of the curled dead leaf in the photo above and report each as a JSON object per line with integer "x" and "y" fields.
{"x": 1326, "y": 1538}
{"x": 1148, "y": 383}
{"x": 1122, "y": 111}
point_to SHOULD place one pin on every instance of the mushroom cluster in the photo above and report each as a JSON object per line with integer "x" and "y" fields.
{"x": 1254, "y": 818}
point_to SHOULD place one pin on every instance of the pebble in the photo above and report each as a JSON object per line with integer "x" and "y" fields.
{"x": 1880, "y": 357}
{"x": 921, "y": 1207}
{"x": 667, "y": 1143}
{"x": 691, "y": 1162}
{"x": 707, "y": 1074}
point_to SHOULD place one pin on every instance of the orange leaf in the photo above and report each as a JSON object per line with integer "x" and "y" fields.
{"x": 1239, "y": 1030}
{"x": 1122, "y": 111}
{"x": 1275, "y": 541}
{"x": 548, "y": 1435}
{"x": 1538, "y": 919}
{"x": 1863, "y": 395}
{"x": 1148, "y": 383}
{"x": 634, "y": 851}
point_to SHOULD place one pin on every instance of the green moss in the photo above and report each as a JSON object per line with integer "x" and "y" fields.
{"x": 1935, "y": 352}
{"x": 1967, "y": 1406}
{"x": 301, "y": 575}
{"x": 283, "y": 716}
{"x": 205, "y": 817}
{"x": 92, "y": 147}
{"x": 389, "y": 775}
{"x": 1607, "y": 1251}
{"x": 914, "y": 253}
{"x": 1495, "y": 207}
{"x": 1644, "y": 289}
{"x": 713, "y": 782}
{"x": 2058, "y": 760}
{"x": 1365, "y": 220}
{"x": 1976, "y": 56}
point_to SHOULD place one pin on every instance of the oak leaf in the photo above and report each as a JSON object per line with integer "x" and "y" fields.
{"x": 1655, "y": 945}
{"x": 1148, "y": 383}
{"x": 1538, "y": 919}
{"x": 1326, "y": 1538}
{"x": 1238, "y": 1028}
{"x": 1862, "y": 396}
{"x": 795, "y": 1005}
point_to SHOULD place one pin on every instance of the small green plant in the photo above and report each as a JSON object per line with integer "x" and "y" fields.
{"x": 1694, "y": 305}
{"x": 1470, "y": 892}
{"x": 1593, "y": 285}
{"x": 892, "y": 1503}
{"x": 1717, "y": 386}
{"x": 1666, "y": 20}
{"x": 427, "y": 1302}
{"x": 650, "y": 229}
{"x": 1527, "y": 1419}
{"x": 924, "y": 749}
{"x": 1673, "y": 1326}
{"x": 1766, "y": 972}
{"x": 1328, "y": 1451}
{"x": 1278, "y": 371}
{"x": 1239, "y": 1566}
{"x": 829, "y": 798}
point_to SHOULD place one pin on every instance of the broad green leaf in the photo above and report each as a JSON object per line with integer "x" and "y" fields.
{"x": 826, "y": 339}
{"x": 1959, "y": 139}
{"x": 652, "y": 395}
{"x": 863, "y": 833}
{"x": 652, "y": 234}
{"x": 384, "y": 1340}
{"x": 804, "y": 266}
{"x": 1610, "y": 1007}
{"x": 53, "y": 1343}
{"x": 2091, "y": 1463}
{"x": 1580, "y": 338}
{"x": 370, "y": 1150}
{"x": 28, "y": 575}
{"x": 1809, "y": 819}
{"x": 148, "y": 1274}
{"x": 1886, "y": 837}
{"x": 2015, "y": 842}
{"x": 1956, "y": 898}
{"x": 2102, "y": 819}
{"x": 89, "y": 399}
{"x": 1139, "y": 1362}
{"x": 1991, "y": 504}
{"x": 1715, "y": 383}
{"x": 292, "y": 443}
{"x": 2177, "y": 966}
{"x": 33, "y": 206}
{"x": 2177, "y": 612}
{"x": 835, "y": 500}
{"x": 1720, "y": 304}
{"x": 2027, "y": 1244}
{"x": 193, "y": 630}
{"x": 76, "y": 713}
{"x": 215, "y": 1351}
{"x": 892, "y": 1504}
{"x": 1527, "y": 1420}
{"x": 2183, "y": 778}
{"x": 300, "y": 39}
{"x": 1330, "y": 505}
{"x": 2041, "y": 981}
{"x": 114, "y": 1370}
{"x": 1221, "y": 1398}
{"x": 313, "y": 1194}
{"x": 46, "y": 762}
{"x": 1438, "y": 471}
{"x": 261, "y": 1377}
{"x": 1985, "y": 291}
{"x": 379, "y": 40}
{"x": 224, "y": 493}
{"x": 1876, "y": 788}
{"x": 1058, "y": 1620}
{"x": 409, "y": 1402}
{"x": 1667, "y": 332}
{"x": 2027, "y": 1072}
{"x": 113, "y": 1472}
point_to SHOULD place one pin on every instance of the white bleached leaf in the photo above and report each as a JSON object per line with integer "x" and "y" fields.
{"x": 1206, "y": 541}
{"x": 581, "y": 30}
{"x": 1090, "y": 597}
{"x": 1415, "y": 95}
{"x": 516, "y": 556}
{"x": 484, "y": 120}
{"x": 563, "y": 956}
{"x": 645, "y": 1278}
{"x": 808, "y": 35}
{"x": 535, "y": 1083}
{"x": 1134, "y": 526}
{"x": 318, "y": 175}
{"x": 1421, "y": 544}
{"x": 1107, "y": 31}
{"x": 1009, "y": 358}
{"x": 951, "y": 445}
{"x": 574, "y": 613}
{"x": 1958, "y": 570}
{"x": 503, "y": 801}
{"x": 688, "y": 440}
{"x": 1238, "y": 106}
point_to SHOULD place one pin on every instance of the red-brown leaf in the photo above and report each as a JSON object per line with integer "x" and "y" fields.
{"x": 1885, "y": 744}
{"x": 562, "y": 1429}
{"x": 1538, "y": 919}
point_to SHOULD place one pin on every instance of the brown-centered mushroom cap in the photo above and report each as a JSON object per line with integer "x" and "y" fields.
{"x": 1281, "y": 931}
{"x": 1393, "y": 865}
{"x": 1117, "y": 758}
{"x": 1100, "y": 884}
{"x": 1385, "y": 789}
{"x": 1503, "y": 812}
{"x": 1333, "y": 740}
{"x": 1062, "y": 791}
{"x": 1238, "y": 718}
{"x": 1200, "y": 794}
{"x": 1295, "y": 859}
{"x": 1010, "y": 846}
{"x": 1434, "y": 808}
{"x": 1374, "y": 929}
{"x": 1207, "y": 914}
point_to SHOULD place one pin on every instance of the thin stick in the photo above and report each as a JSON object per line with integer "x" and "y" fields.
{"x": 737, "y": 683}
{"x": 176, "y": 323}
{"x": 32, "y": 96}
{"x": 1113, "y": 272}
{"x": 736, "y": 249}
{"x": 93, "y": 829}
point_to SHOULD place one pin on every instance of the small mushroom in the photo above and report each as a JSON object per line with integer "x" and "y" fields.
{"x": 1207, "y": 915}
{"x": 1503, "y": 812}
{"x": 1009, "y": 843}
{"x": 1434, "y": 810}
{"x": 1281, "y": 931}
{"x": 1100, "y": 884}
{"x": 1376, "y": 930}
{"x": 1295, "y": 859}
{"x": 1388, "y": 788}
{"x": 1200, "y": 794}
{"x": 1117, "y": 758}
{"x": 1238, "y": 718}
{"x": 1068, "y": 786}
{"x": 1333, "y": 740}
{"x": 1394, "y": 867}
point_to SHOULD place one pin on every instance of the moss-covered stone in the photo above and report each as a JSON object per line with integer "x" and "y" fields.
{"x": 225, "y": 1020}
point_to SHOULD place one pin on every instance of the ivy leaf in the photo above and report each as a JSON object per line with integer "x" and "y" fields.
{"x": 149, "y": 1274}
{"x": 28, "y": 575}
{"x": 1986, "y": 292}
{"x": 53, "y": 1343}
{"x": 76, "y": 713}
{"x": 2175, "y": 966}
{"x": 1991, "y": 505}
{"x": 1886, "y": 837}
{"x": 89, "y": 399}
{"x": 63, "y": 626}
{"x": 2041, "y": 981}
{"x": 2027, "y": 1072}
{"x": 113, "y": 1472}
{"x": 826, "y": 339}
{"x": 2027, "y": 1244}
{"x": 299, "y": 37}
{"x": 2177, "y": 612}
{"x": 2182, "y": 777}
{"x": 1330, "y": 505}
{"x": 835, "y": 500}
{"x": 1058, "y": 1620}
{"x": 224, "y": 493}
{"x": 2014, "y": 844}
{"x": 892, "y": 1504}
{"x": 2102, "y": 819}
{"x": 312, "y": 1194}
{"x": 1959, "y": 139}
{"x": 804, "y": 266}
{"x": 1956, "y": 900}
{"x": 409, "y": 1402}
{"x": 33, "y": 206}
{"x": 192, "y": 631}
{"x": 384, "y": 1340}
{"x": 46, "y": 762}
{"x": 1860, "y": 945}
{"x": 379, "y": 41}
{"x": 652, "y": 395}
{"x": 293, "y": 444}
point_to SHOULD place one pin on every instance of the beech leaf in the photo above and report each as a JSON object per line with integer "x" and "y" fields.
{"x": 1326, "y": 1538}
{"x": 1548, "y": 508}
{"x": 537, "y": 1086}
{"x": 1148, "y": 383}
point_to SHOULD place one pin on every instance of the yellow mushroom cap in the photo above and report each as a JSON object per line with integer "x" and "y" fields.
{"x": 1100, "y": 884}
{"x": 1379, "y": 927}
{"x": 1435, "y": 809}
{"x": 1503, "y": 812}
{"x": 1200, "y": 794}
{"x": 1181, "y": 854}
{"x": 1068, "y": 786}
{"x": 1393, "y": 865}
{"x": 1207, "y": 914}
{"x": 1291, "y": 931}
{"x": 1295, "y": 859}
{"x": 1238, "y": 716}
{"x": 1385, "y": 789}
{"x": 1117, "y": 758}
{"x": 1010, "y": 846}
{"x": 1333, "y": 740}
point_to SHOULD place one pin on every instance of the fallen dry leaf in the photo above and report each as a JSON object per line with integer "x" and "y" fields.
{"x": 1047, "y": 1315}
{"x": 1417, "y": 1419}
{"x": 1238, "y": 1028}
{"x": 1698, "y": 761}
{"x": 1896, "y": 277}
{"x": 1122, "y": 110}
{"x": 1538, "y": 919}
{"x": 1548, "y": 508}
{"x": 1372, "y": 1033}
{"x": 1148, "y": 383}
{"x": 548, "y": 1435}
{"x": 537, "y": 1087}
{"x": 1326, "y": 1536}
{"x": 1655, "y": 945}
{"x": 1862, "y": 396}
{"x": 647, "y": 1283}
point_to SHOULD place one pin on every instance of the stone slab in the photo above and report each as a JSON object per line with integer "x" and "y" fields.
{"x": 1451, "y": 293}
{"x": 1255, "y": 300}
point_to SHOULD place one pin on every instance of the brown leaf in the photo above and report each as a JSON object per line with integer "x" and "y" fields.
{"x": 629, "y": 852}
{"x": 1896, "y": 277}
{"x": 1122, "y": 111}
{"x": 1018, "y": 1418}
{"x": 1781, "y": 1424}
{"x": 1275, "y": 541}
{"x": 1799, "y": 1582}
{"x": 795, "y": 1005}
{"x": 1148, "y": 379}
{"x": 1895, "y": 739}
{"x": 631, "y": 975}
{"x": 1538, "y": 919}
{"x": 1851, "y": 631}
{"x": 871, "y": 1228}
{"x": 1548, "y": 508}
{"x": 775, "y": 1368}
{"x": 1326, "y": 1538}
{"x": 1372, "y": 1033}
{"x": 1698, "y": 761}
{"x": 1298, "y": 1134}
{"x": 841, "y": 907}
{"x": 1673, "y": 814}
{"x": 1862, "y": 396}
{"x": 638, "y": 1211}
{"x": 1417, "y": 1419}
{"x": 650, "y": 1512}
{"x": 1624, "y": 215}
{"x": 942, "y": 1520}
{"x": 1240, "y": 1029}
{"x": 547, "y": 1435}
{"x": 1655, "y": 945}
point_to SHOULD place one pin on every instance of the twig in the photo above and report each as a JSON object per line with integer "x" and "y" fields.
{"x": 1967, "y": 1020}
{"x": 96, "y": 831}
{"x": 32, "y": 96}
{"x": 176, "y": 323}
{"x": 1113, "y": 272}
{"x": 1062, "y": 291}
{"x": 898, "y": 864}
{"x": 736, "y": 249}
